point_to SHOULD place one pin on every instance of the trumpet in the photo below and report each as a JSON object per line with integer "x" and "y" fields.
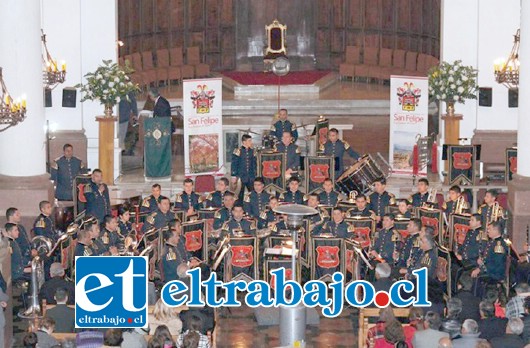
{"x": 496, "y": 213}
{"x": 460, "y": 205}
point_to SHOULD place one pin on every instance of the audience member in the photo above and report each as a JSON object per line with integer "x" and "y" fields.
{"x": 469, "y": 335}
{"x": 156, "y": 342}
{"x": 89, "y": 339}
{"x": 451, "y": 323}
{"x": 490, "y": 326}
{"x": 445, "y": 342}
{"x": 429, "y": 337}
{"x": 112, "y": 338}
{"x": 44, "y": 333}
{"x": 377, "y": 331}
{"x": 382, "y": 277}
{"x": 48, "y": 289}
{"x": 195, "y": 326}
{"x": 162, "y": 332}
{"x": 515, "y": 307}
{"x": 392, "y": 335}
{"x": 435, "y": 294}
{"x": 415, "y": 323}
{"x": 134, "y": 338}
{"x": 470, "y": 302}
{"x": 30, "y": 340}
{"x": 512, "y": 338}
{"x": 165, "y": 315}
{"x": 191, "y": 340}
{"x": 526, "y": 320}
{"x": 63, "y": 315}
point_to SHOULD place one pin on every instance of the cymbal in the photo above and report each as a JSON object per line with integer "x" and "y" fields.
{"x": 248, "y": 131}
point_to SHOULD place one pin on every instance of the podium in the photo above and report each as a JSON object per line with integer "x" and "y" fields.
{"x": 157, "y": 147}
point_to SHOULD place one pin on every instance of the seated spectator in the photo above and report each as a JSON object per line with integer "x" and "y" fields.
{"x": 469, "y": 336}
{"x": 30, "y": 340}
{"x": 470, "y": 302}
{"x": 490, "y": 326}
{"x": 163, "y": 333}
{"x": 112, "y": 338}
{"x": 492, "y": 295}
{"x": 48, "y": 289}
{"x": 430, "y": 336}
{"x": 165, "y": 315}
{"x": 377, "y": 331}
{"x": 63, "y": 315}
{"x": 415, "y": 323}
{"x": 451, "y": 323}
{"x": 382, "y": 277}
{"x": 156, "y": 342}
{"x": 89, "y": 339}
{"x": 134, "y": 338}
{"x": 44, "y": 334}
{"x": 435, "y": 294}
{"x": 393, "y": 335}
{"x": 195, "y": 326}
{"x": 191, "y": 340}
{"x": 515, "y": 307}
{"x": 512, "y": 338}
{"x": 445, "y": 342}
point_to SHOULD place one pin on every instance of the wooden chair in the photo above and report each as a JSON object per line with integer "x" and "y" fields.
{"x": 411, "y": 63}
{"x": 136, "y": 76}
{"x": 162, "y": 65}
{"x": 149, "y": 68}
{"x": 382, "y": 71}
{"x": 365, "y": 314}
{"x": 398, "y": 62}
{"x": 353, "y": 58}
{"x": 369, "y": 60}
{"x": 177, "y": 61}
{"x": 193, "y": 58}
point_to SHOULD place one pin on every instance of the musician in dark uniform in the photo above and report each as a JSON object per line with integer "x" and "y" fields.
{"x": 329, "y": 196}
{"x": 225, "y": 213}
{"x": 98, "y": 247}
{"x": 84, "y": 246}
{"x": 317, "y": 221}
{"x": 256, "y": 201}
{"x": 188, "y": 200}
{"x": 420, "y": 198}
{"x": 284, "y": 125}
{"x": 110, "y": 237}
{"x": 380, "y": 199}
{"x": 244, "y": 165}
{"x": 470, "y": 250}
{"x": 63, "y": 171}
{"x": 215, "y": 199}
{"x": 280, "y": 226}
{"x": 361, "y": 208}
{"x": 124, "y": 225}
{"x": 337, "y": 226}
{"x": 20, "y": 270}
{"x": 403, "y": 209}
{"x": 428, "y": 257}
{"x": 291, "y": 151}
{"x": 387, "y": 242}
{"x": 44, "y": 225}
{"x": 492, "y": 261}
{"x": 449, "y": 207}
{"x": 150, "y": 203}
{"x": 411, "y": 251}
{"x": 486, "y": 210}
{"x": 238, "y": 224}
{"x": 174, "y": 252}
{"x": 160, "y": 217}
{"x": 97, "y": 196}
{"x": 336, "y": 148}
{"x": 269, "y": 218}
{"x": 293, "y": 195}
{"x": 13, "y": 216}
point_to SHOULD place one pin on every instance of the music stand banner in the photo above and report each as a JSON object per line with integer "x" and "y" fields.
{"x": 363, "y": 228}
{"x": 409, "y": 114}
{"x": 432, "y": 218}
{"x": 326, "y": 258}
{"x": 196, "y": 239}
{"x": 511, "y": 164}
{"x": 401, "y": 225}
{"x": 350, "y": 262}
{"x": 443, "y": 268}
{"x": 207, "y": 215}
{"x": 321, "y": 131}
{"x": 458, "y": 230}
{"x": 243, "y": 259}
{"x": 271, "y": 265}
{"x": 318, "y": 169}
{"x": 79, "y": 193}
{"x": 462, "y": 159}
{"x": 271, "y": 166}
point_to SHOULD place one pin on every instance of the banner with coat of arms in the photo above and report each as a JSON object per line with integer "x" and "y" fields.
{"x": 271, "y": 167}
{"x": 326, "y": 258}
{"x": 318, "y": 169}
{"x": 196, "y": 239}
{"x": 203, "y": 126}
{"x": 462, "y": 160}
{"x": 409, "y": 114}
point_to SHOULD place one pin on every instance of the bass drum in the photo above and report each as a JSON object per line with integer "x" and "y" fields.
{"x": 360, "y": 176}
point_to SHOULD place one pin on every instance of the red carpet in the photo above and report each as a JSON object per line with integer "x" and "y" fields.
{"x": 261, "y": 78}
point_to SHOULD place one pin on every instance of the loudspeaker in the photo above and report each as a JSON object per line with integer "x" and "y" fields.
{"x": 69, "y": 97}
{"x": 485, "y": 96}
{"x": 513, "y": 98}
{"x": 47, "y": 98}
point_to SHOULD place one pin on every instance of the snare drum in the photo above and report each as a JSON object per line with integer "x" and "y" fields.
{"x": 360, "y": 176}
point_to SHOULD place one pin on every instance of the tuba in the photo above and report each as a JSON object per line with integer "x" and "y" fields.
{"x": 34, "y": 310}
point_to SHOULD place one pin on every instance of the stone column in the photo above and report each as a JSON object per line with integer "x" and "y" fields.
{"x": 519, "y": 187}
{"x": 23, "y": 178}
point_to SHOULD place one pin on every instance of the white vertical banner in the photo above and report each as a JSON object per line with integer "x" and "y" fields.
{"x": 203, "y": 126}
{"x": 409, "y": 115}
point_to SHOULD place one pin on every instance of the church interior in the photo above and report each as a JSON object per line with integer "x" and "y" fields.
{"x": 370, "y": 138}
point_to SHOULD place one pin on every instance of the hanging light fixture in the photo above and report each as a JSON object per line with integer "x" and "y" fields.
{"x": 507, "y": 71}
{"x": 11, "y": 112}
{"x": 52, "y": 75}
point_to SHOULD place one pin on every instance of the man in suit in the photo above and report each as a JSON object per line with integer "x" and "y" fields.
{"x": 162, "y": 107}
{"x": 97, "y": 196}
{"x": 512, "y": 338}
{"x": 430, "y": 336}
{"x": 63, "y": 171}
{"x": 63, "y": 315}
{"x": 57, "y": 281}
{"x": 382, "y": 277}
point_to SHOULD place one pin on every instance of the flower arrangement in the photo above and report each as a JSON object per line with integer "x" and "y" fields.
{"x": 453, "y": 83}
{"x": 108, "y": 84}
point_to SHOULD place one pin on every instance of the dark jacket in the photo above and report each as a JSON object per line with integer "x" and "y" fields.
{"x": 126, "y": 107}
{"x": 492, "y": 327}
{"x": 47, "y": 291}
{"x": 470, "y": 304}
{"x": 162, "y": 108}
{"x": 64, "y": 317}
{"x": 508, "y": 341}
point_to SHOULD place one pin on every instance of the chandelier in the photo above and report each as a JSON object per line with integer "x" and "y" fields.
{"x": 51, "y": 75}
{"x": 507, "y": 71}
{"x": 11, "y": 112}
